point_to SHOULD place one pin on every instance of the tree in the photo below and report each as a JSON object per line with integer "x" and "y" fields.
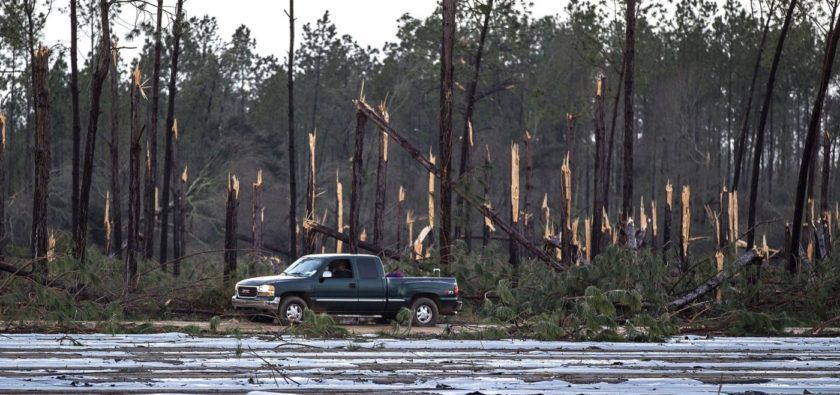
{"x": 600, "y": 168}
{"x": 103, "y": 64}
{"x": 291, "y": 142}
{"x": 43, "y": 142}
{"x": 445, "y": 140}
{"x": 133, "y": 182}
{"x": 114, "y": 146}
{"x": 77, "y": 128}
{"x": 629, "y": 134}
{"x": 811, "y": 146}
{"x": 151, "y": 138}
{"x": 762, "y": 123}
{"x": 177, "y": 31}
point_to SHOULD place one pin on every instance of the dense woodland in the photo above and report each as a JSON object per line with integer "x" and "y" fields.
{"x": 693, "y": 130}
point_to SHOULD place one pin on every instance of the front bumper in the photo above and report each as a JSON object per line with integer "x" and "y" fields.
{"x": 270, "y": 305}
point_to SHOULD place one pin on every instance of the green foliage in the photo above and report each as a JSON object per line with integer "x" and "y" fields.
{"x": 317, "y": 326}
{"x": 214, "y": 323}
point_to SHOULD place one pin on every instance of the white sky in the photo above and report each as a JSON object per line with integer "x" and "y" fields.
{"x": 369, "y": 22}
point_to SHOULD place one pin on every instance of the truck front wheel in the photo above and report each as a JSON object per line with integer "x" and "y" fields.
{"x": 291, "y": 310}
{"x": 425, "y": 312}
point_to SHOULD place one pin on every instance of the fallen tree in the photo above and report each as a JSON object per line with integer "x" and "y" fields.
{"x": 714, "y": 282}
{"x": 416, "y": 154}
{"x": 344, "y": 238}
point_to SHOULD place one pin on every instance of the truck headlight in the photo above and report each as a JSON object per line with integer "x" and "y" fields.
{"x": 265, "y": 290}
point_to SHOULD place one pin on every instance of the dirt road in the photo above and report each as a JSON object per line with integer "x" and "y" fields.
{"x": 179, "y": 363}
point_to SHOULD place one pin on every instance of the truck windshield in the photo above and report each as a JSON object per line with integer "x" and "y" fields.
{"x": 304, "y": 267}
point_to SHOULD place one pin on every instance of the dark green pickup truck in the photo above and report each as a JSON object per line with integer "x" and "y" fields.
{"x": 345, "y": 284}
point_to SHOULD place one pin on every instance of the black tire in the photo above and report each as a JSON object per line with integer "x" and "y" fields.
{"x": 262, "y": 318}
{"x": 424, "y": 312}
{"x": 291, "y": 310}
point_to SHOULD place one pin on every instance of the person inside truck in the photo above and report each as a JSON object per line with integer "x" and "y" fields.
{"x": 341, "y": 269}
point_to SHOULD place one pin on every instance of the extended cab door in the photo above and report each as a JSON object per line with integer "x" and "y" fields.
{"x": 337, "y": 294}
{"x": 372, "y": 286}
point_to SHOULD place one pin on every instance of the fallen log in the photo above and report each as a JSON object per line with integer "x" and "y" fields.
{"x": 712, "y": 283}
{"x": 373, "y": 116}
{"x": 344, "y": 238}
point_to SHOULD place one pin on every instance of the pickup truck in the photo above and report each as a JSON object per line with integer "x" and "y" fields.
{"x": 345, "y": 284}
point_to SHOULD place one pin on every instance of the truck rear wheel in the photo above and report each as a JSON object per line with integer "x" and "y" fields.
{"x": 425, "y": 312}
{"x": 291, "y": 310}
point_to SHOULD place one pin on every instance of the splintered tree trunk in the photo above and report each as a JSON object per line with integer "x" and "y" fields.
{"x": 723, "y": 220}
{"x": 381, "y": 181}
{"x": 355, "y": 188}
{"x": 811, "y": 146}
{"x": 445, "y": 148}
{"x": 292, "y": 153}
{"x": 309, "y": 236}
{"x": 488, "y": 226}
{"x": 527, "y": 215}
{"x": 629, "y": 134}
{"x": 598, "y": 193}
{"x": 168, "y": 167}
{"x": 762, "y": 122}
{"x": 43, "y": 141}
{"x": 100, "y": 73}
{"x": 151, "y": 137}
{"x": 400, "y": 208}
{"x": 257, "y": 218}
{"x": 468, "y": 141}
{"x": 826, "y": 172}
{"x": 2, "y": 182}
{"x": 685, "y": 226}
{"x": 669, "y": 210}
{"x": 172, "y": 159}
{"x": 745, "y": 123}
{"x": 230, "y": 227}
{"x": 514, "y": 209}
{"x": 134, "y": 182}
{"x": 116, "y": 204}
{"x": 180, "y": 233}
{"x": 107, "y": 224}
{"x": 77, "y": 123}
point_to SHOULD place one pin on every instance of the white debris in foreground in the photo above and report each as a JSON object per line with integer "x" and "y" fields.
{"x": 181, "y": 363}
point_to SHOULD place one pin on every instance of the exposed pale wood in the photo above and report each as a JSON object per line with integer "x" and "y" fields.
{"x": 685, "y": 223}
{"x": 344, "y": 238}
{"x": 339, "y": 215}
{"x": 713, "y": 282}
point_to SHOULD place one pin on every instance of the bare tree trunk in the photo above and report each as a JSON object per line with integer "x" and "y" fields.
{"x": 811, "y": 146}
{"x": 745, "y": 123}
{"x": 514, "y": 210}
{"x": 114, "y": 145}
{"x": 598, "y": 193}
{"x": 445, "y": 146}
{"x": 230, "y": 227}
{"x": 151, "y": 138}
{"x": 339, "y": 212}
{"x": 257, "y": 218}
{"x": 103, "y": 64}
{"x": 527, "y": 215}
{"x": 611, "y": 143}
{"x": 3, "y": 122}
{"x": 468, "y": 140}
{"x": 400, "y": 210}
{"x": 826, "y": 172}
{"x": 487, "y": 228}
{"x": 355, "y": 189}
{"x": 43, "y": 141}
{"x": 292, "y": 152}
{"x": 669, "y": 210}
{"x": 762, "y": 121}
{"x": 134, "y": 182}
{"x": 309, "y": 237}
{"x": 168, "y": 168}
{"x": 77, "y": 127}
{"x": 629, "y": 134}
{"x": 180, "y": 233}
{"x": 381, "y": 182}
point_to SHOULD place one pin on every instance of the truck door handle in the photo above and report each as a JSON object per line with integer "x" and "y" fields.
{"x": 352, "y": 285}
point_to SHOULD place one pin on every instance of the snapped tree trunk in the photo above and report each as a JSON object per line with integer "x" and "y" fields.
{"x": 745, "y": 123}
{"x": 445, "y": 143}
{"x": 168, "y": 167}
{"x": 134, "y": 182}
{"x": 292, "y": 153}
{"x": 355, "y": 188}
{"x": 488, "y": 226}
{"x": 151, "y": 137}
{"x": 514, "y": 210}
{"x": 811, "y": 146}
{"x": 77, "y": 123}
{"x": 600, "y": 170}
{"x": 103, "y": 64}
{"x": 43, "y": 142}
{"x": 180, "y": 233}
{"x": 309, "y": 237}
{"x": 527, "y": 214}
{"x": 669, "y": 210}
{"x": 2, "y": 183}
{"x": 173, "y": 160}
{"x": 381, "y": 182}
{"x": 257, "y": 218}
{"x": 116, "y": 196}
{"x": 339, "y": 212}
{"x": 629, "y": 134}
{"x": 468, "y": 141}
{"x": 230, "y": 227}
{"x": 762, "y": 122}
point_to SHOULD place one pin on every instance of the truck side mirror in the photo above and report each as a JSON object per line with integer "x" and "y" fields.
{"x": 326, "y": 274}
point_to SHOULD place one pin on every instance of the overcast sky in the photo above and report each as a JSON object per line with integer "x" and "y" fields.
{"x": 369, "y": 22}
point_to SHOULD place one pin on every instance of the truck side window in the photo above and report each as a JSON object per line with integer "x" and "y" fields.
{"x": 368, "y": 268}
{"x": 341, "y": 268}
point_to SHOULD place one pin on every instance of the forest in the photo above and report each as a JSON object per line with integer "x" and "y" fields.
{"x": 649, "y": 165}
